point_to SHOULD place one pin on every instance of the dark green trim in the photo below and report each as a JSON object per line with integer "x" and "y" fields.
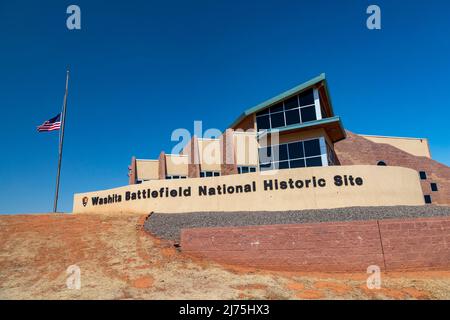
{"x": 305, "y": 125}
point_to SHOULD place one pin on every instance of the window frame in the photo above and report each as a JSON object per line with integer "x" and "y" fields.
{"x": 268, "y": 113}
{"x": 175, "y": 177}
{"x": 214, "y": 173}
{"x": 422, "y": 175}
{"x": 275, "y": 164}
{"x": 239, "y": 169}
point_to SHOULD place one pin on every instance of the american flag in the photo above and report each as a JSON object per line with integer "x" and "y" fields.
{"x": 50, "y": 125}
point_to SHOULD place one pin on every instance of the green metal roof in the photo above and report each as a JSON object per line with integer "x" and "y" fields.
{"x": 285, "y": 95}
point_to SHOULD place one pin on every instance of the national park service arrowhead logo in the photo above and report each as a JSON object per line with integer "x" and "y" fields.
{"x": 85, "y": 201}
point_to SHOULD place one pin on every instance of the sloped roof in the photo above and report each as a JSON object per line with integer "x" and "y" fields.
{"x": 284, "y": 95}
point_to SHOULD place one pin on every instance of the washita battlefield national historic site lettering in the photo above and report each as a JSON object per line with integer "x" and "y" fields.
{"x": 223, "y": 189}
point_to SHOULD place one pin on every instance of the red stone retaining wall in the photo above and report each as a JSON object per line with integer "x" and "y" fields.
{"x": 336, "y": 246}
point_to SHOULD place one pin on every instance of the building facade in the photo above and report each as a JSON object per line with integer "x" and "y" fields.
{"x": 296, "y": 129}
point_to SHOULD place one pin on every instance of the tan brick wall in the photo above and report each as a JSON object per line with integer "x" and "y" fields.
{"x": 162, "y": 169}
{"x": 132, "y": 171}
{"x": 228, "y": 165}
{"x": 358, "y": 150}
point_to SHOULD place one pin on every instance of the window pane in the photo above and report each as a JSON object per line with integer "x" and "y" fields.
{"x": 239, "y": 170}
{"x": 291, "y": 103}
{"x": 265, "y": 166}
{"x": 283, "y": 165}
{"x": 208, "y": 173}
{"x": 265, "y": 154}
{"x": 292, "y": 117}
{"x": 306, "y": 98}
{"x": 263, "y": 122}
{"x": 312, "y": 148}
{"x": 277, "y": 119}
{"x": 300, "y": 163}
{"x": 244, "y": 169}
{"x": 282, "y": 152}
{"x": 314, "y": 162}
{"x": 308, "y": 114}
{"x": 296, "y": 150}
{"x": 202, "y": 174}
{"x": 277, "y": 107}
{"x": 216, "y": 174}
{"x": 252, "y": 169}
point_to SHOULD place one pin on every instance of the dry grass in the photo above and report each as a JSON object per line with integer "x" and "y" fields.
{"x": 119, "y": 260}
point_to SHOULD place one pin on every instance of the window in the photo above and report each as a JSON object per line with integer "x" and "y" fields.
{"x": 306, "y": 98}
{"x": 263, "y": 122}
{"x": 277, "y": 119}
{"x": 292, "y": 117}
{"x": 297, "y": 109}
{"x": 381, "y": 163}
{"x": 312, "y": 148}
{"x": 171, "y": 177}
{"x": 246, "y": 169}
{"x": 299, "y": 163}
{"x": 291, "y": 103}
{"x": 427, "y": 199}
{"x": 143, "y": 180}
{"x": 423, "y": 175}
{"x": 314, "y": 162}
{"x": 308, "y": 114}
{"x": 282, "y": 152}
{"x": 207, "y": 174}
{"x": 434, "y": 186}
{"x": 298, "y": 154}
{"x": 296, "y": 150}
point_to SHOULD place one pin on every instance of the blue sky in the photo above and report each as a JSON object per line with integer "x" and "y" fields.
{"x": 141, "y": 69}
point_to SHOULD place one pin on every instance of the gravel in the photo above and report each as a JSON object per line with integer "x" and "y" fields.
{"x": 168, "y": 226}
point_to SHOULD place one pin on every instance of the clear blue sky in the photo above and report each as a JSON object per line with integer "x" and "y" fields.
{"x": 141, "y": 69}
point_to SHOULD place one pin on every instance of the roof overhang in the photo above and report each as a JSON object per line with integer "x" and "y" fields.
{"x": 332, "y": 126}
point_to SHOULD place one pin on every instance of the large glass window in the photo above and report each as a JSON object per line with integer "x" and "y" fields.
{"x": 246, "y": 169}
{"x": 298, "y": 154}
{"x": 207, "y": 174}
{"x": 297, "y": 109}
{"x": 171, "y": 177}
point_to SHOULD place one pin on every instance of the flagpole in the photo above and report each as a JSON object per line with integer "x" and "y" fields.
{"x": 61, "y": 141}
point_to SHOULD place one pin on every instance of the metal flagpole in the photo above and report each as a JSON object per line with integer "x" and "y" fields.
{"x": 61, "y": 140}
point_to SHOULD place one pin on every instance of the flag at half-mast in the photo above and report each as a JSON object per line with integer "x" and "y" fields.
{"x": 51, "y": 125}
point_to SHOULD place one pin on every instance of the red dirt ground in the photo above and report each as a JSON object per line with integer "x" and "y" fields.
{"x": 119, "y": 260}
